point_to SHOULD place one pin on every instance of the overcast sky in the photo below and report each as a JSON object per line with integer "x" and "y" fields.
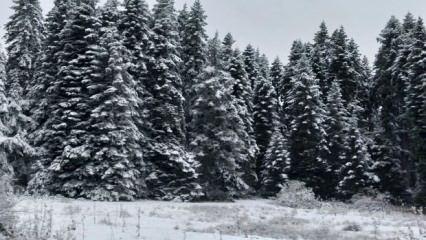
{"x": 272, "y": 25}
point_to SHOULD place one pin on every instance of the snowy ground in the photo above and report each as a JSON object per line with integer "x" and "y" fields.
{"x": 249, "y": 219}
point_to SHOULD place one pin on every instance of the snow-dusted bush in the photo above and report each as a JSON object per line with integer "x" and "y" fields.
{"x": 296, "y": 195}
{"x": 368, "y": 202}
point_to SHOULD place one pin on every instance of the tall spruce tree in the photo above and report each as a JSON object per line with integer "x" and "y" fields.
{"x": 251, "y": 64}
{"x": 400, "y": 87}
{"x": 243, "y": 100}
{"x": 335, "y": 125}
{"x": 416, "y": 103}
{"x": 354, "y": 175}
{"x": 321, "y": 59}
{"x": 46, "y": 91}
{"x": 67, "y": 152}
{"x": 276, "y": 165}
{"x": 24, "y": 36}
{"x": 171, "y": 168}
{"x": 277, "y": 75}
{"x": 134, "y": 26}
{"x": 341, "y": 67}
{"x": 13, "y": 144}
{"x": 265, "y": 119}
{"x": 386, "y": 151}
{"x": 214, "y": 51}
{"x": 215, "y": 140}
{"x": 193, "y": 41}
{"x": 228, "y": 48}
{"x": 284, "y": 93}
{"x": 307, "y": 136}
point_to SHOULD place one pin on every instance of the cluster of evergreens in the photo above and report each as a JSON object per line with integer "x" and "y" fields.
{"x": 123, "y": 102}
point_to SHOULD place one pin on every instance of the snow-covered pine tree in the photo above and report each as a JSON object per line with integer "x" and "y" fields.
{"x": 134, "y": 26}
{"x": 214, "y": 52}
{"x": 364, "y": 97}
{"x": 67, "y": 152}
{"x": 263, "y": 63}
{"x": 243, "y": 100}
{"x": 335, "y": 125}
{"x": 115, "y": 168}
{"x": 24, "y": 36}
{"x": 321, "y": 59}
{"x": 354, "y": 175}
{"x": 12, "y": 144}
{"x": 193, "y": 43}
{"x": 276, "y": 165}
{"x": 228, "y": 49}
{"x": 214, "y": 138}
{"x": 341, "y": 67}
{"x": 171, "y": 169}
{"x": 386, "y": 152}
{"x": 251, "y": 65}
{"x": 266, "y": 119}
{"x": 416, "y": 104}
{"x": 399, "y": 89}
{"x": 296, "y": 52}
{"x": 46, "y": 91}
{"x": 182, "y": 19}
{"x": 307, "y": 142}
{"x": 277, "y": 75}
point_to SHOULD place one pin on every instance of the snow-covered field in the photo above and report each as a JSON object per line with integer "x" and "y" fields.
{"x": 249, "y": 219}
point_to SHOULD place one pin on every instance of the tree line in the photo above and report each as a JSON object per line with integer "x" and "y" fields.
{"x": 123, "y": 102}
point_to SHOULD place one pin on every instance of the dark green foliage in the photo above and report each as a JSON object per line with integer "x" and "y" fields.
{"x": 265, "y": 119}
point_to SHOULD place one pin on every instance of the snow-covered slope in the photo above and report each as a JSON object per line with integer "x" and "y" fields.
{"x": 250, "y": 219}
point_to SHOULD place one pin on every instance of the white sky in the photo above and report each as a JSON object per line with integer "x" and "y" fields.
{"x": 272, "y": 25}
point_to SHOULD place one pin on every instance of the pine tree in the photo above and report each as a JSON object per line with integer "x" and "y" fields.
{"x": 228, "y": 48}
{"x": 354, "y": 175}
{"x": 214, "y": 52}
{"x": 215, "y": 141}
{"x": 277, "y": 74}
{"x": 307, "y": 137}
{"x": 12, "y": 144}
{"x": 116, "y": 165}
{"x": 416, "y": 104}
{"x": 134, "y": 26}
{"x": 54, "y": 23}
{"x": 386, "y": 151}
{"x": 341, "y": 67}
{"x": 171, "y": 168}
{"x": 321, "y": 59}
{"x": 335, "y": 126}
{"x": 24, "y": 36}
{"x": 193, "y": 43}
{"x": 276, "y": 165}
{"x": 182, "y": 19}
{"x": 297, "y": 51}
{"x": 67, "y": 152}
{"x": 46, "y": 91}
{"x": 251, "y": 65}
{"x": 265, "y": 119}
{"x": 364, "y": 97}
{"x": 263, "y": 63}
{"x": 243, "y": 100}
{"x": 398, "y": 96}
